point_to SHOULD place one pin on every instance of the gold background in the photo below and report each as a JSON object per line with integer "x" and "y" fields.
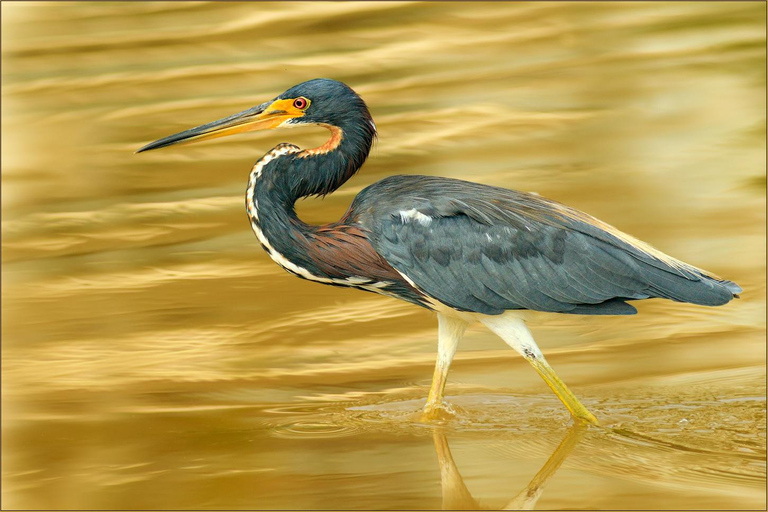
{"x": 154, "y": 357}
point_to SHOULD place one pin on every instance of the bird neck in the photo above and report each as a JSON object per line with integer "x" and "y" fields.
{"x": 321, "y": 170}
{"x": 286, "y": 174}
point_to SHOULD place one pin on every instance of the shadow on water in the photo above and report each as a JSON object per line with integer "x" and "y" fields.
{"x": 704, "y": 444}
{"x": 370, "y": 451}
{"x": 456, "y": 496}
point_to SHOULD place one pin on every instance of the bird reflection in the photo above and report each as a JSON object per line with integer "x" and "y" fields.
{"x": 456, "y": 496}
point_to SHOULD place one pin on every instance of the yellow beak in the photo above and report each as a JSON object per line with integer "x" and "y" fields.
{"x": 262, "y": 117}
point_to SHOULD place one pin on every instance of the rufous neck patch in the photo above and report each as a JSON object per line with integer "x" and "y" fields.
{"x": 336, "y": 135}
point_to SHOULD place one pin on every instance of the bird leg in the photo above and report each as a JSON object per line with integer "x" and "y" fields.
{"x": 449, "y": 332}
{"x": 513, "y": 331}
{"x": 577, "y": 409}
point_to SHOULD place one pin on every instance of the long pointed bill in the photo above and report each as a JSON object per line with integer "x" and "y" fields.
{"x": 263, "y": 117}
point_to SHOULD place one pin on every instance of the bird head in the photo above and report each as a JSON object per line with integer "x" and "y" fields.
{"x": 320, "y": 102}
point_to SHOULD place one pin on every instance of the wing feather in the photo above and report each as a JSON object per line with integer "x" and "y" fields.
{"x": 486, "y": 249}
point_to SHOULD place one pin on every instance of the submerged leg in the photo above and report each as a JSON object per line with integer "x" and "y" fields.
{"x": 513, "y": 330}
{"x": 449, "y": 332}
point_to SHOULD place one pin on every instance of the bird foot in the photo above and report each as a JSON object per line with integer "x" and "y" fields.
{"x": 585, "y": 418}
{"x": 437, "y": 411}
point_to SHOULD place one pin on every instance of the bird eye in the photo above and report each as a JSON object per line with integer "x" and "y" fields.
{"x": 300, "y": 103}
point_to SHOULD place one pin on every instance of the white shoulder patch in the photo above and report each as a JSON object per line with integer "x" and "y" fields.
{"x": 415, "y": 215}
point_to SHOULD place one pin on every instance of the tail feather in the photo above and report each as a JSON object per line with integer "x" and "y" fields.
{"x": 732, "y": 287}
{"x": 704, "y": 291}
{"x": 666, "y": 276}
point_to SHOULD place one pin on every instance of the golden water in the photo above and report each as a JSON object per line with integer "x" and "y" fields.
{"x": 154, "y": 357}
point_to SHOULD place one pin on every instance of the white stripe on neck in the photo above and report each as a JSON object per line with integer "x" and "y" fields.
{"x": 252, "y": 207}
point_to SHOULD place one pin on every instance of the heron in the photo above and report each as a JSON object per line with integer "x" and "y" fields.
{"x": 468, "y": 252}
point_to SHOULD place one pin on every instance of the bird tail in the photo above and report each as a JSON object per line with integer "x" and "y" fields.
{"x": 668, "y": 277}
{"x": 705, "y": 290}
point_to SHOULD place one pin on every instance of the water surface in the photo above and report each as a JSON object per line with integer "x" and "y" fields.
{"x": 154, "y": 357}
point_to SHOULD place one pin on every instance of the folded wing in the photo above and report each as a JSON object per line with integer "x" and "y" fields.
{"x": 487, "y": 249}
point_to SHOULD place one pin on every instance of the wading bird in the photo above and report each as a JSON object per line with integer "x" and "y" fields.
{"x": 467, "y": 251}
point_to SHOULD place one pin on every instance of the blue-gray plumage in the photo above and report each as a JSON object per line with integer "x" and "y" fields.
{"x": 470, "y": 252}
{"x": 487, "y": 249}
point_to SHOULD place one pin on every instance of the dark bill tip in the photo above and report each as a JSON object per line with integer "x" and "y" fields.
{"x": 203, "y": 132}
{"x": 168, "y": 141}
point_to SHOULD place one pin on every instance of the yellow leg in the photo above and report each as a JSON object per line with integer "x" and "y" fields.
{"x": 449, "y": 333}
{"x": 512, "y": 329}
{"x": 577, "y": 409}
{"x": 439, "y": 378}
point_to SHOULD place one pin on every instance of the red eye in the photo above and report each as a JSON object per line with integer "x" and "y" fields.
{"x": 300, "y": 103}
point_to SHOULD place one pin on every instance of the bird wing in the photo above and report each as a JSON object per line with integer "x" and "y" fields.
{"x": 487, "y": 249}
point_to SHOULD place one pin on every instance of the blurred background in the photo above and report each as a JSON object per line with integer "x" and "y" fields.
{"x": 154, "y": 357}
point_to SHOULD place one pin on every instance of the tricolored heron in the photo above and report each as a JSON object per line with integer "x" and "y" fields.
{"x": 467, "y": 251}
